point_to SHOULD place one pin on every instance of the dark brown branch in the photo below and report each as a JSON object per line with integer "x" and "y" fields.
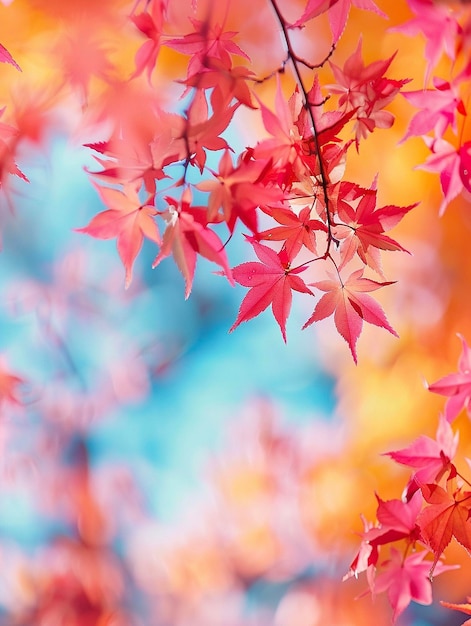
{"x": 296, "y": 61}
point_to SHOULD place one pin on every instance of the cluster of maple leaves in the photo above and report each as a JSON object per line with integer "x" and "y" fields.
{"x": 293, "y": 179}
{"x": 442, "y": 114}
{"x": 435, "y": 507}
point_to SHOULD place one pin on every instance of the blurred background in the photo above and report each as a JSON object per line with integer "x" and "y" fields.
{"x": 154, "y": 469}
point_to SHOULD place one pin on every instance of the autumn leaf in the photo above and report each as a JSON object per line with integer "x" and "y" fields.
{"x": 437, "y": 109}
{"x": 406, "y": 579}
{"x": 446, "y": 517}
{"x": 338, "y": 13}
{"x": 397, "y": 520}
{"x": 364, "y": 227}
{"x": 127, "y": 219}
{"x": 452, "y": 164}
{"x": 186, "y": 235}
{"x": 350, "y": 305}
{"x": 201, "y": 132}
{"x": 440, "y": 27}
{"x": 457, "y": 387}
{"x": 365, "y": 90}
{"x": 207, "y": 40}
{"x": 270, "y": 282}
{"x": 431, "y": 457}
{"x": 150, "y": 25}
{"x": 225, "y": 82}
{"x": 296, "y": 230}
{"x": 238, "y": 190}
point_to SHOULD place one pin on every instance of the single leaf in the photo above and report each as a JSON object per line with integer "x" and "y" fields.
{"x": 431, "y": 457}
{"x": 457, "y": 387}
{"x": 446, "y": 517}
{"x": 364, "y": 227}
{"x": 406, "y": 579}
{"x": 297, "y": 231}
{"x": 270, "y": 282}
{"x": 187, "y": 235}
{"x": 350, "y": 305}
{"x": 127, "y": 219}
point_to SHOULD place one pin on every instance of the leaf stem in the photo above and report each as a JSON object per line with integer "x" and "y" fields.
{"x": 295, "y": 62}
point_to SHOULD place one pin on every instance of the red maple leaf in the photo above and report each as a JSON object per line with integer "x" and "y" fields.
{"x": 437, "y": 109}
{"x": 446, "y": 517}
{"x": 397, "y": 520}
{"x": 285, "y": 146}
{"x": 431, "y": 457}
{"x": 207, "y": 40}
{"x": 186, "y": 236}
{"x": 270, "y": 282}
{"x": 127, "y": 219}
{"x": 296, "y": 230}
{"x": 239, "y": 190}
{"x": 201, "y": 132}
{"x": 350, "y": 305}
{"x": 457, "y": 387}
{"x": 464, "y": 608}
{"x": 150, "y": 25}
{"x": 78, "y": 69}
{"x": 226, "y": 83}
{"x": 363, "y": 231}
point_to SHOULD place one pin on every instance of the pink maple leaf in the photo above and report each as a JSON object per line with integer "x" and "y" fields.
{"x": 237, "y": 191}
{"x": 440, "y": 27}
{"x": 431, "y": 457}
{"x": 338, "y": 13}
{"x": 364, "y": 227}
{"x": 271, "y": 282}
{"x": 128, "y": 219}
{"x": 350, "y": 305}
{"x": 366, "y": 91}
{"x": 186, "y": 236}
{"x": 296, "y": 231}
{"x": 456, "y": 387}
{"x": 207, "y": 40}
{"x": 446, "y": 516}
{"x": 454, "y": 166}
{"x": 397, "y": 520}
{"x": 150, "y": 24}
{"x": 407, "y": 579}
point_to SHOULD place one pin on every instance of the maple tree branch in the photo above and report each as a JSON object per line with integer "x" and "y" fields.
{"x": 279, "y": 70}
{"x": 293, "y": 56}
{"x": 295, "y": 61}
{"x": 316, "y": 66}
